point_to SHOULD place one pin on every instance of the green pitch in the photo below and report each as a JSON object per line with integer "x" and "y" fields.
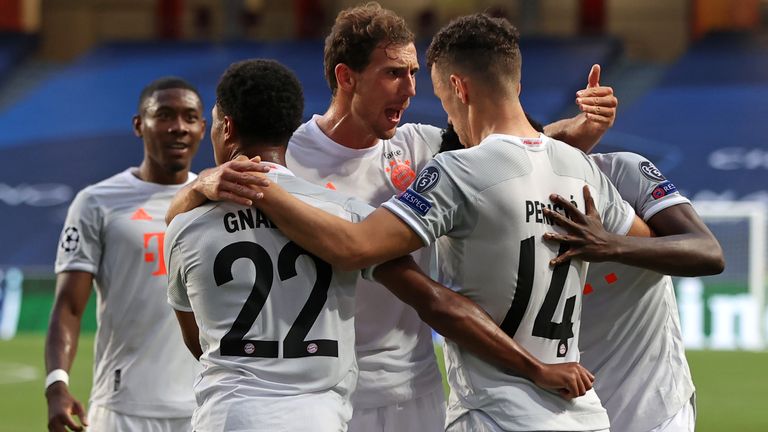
{"x": 731, "y": 386}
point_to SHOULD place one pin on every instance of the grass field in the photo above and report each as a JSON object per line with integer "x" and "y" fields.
{"x": 731, "y": 386}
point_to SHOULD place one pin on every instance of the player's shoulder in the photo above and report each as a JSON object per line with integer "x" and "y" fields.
{"x": 418, "y": 135}
{"x": 331, "y": 201}
{"x": 182, "y": 225}
{"x": 618, "y": 159}
{"x": 305, "y": 131}
{"x": 98, "y": 194}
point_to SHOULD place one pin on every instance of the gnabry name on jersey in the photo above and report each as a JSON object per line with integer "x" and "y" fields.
{"x": 534, "y": 211}
{"x": 244, "y": 219}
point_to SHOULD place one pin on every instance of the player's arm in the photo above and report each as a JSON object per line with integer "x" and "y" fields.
{"x": 73, "y": 288}
{"x": 190, "y": 332}
{"x": 227, "y": 182}
{"x": 463, "y": 321}
{"x": 684, "y": 246}
{"x": 380, "y": 237}
{"x": 598, "y": 105}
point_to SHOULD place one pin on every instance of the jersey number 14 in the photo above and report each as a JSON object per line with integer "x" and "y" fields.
{"x": 543, "y": 326}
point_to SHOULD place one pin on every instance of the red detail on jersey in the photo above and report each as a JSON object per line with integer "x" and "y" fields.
{"x": 330, "y": 186}
{"x": 402, "y": 176}
{"x": 588, "y": 289}
{"x": 140, "y": 214}
{"x": 611, "y": 278}
{"x": 157, "y": 255}
{"x": 532, "y": 141}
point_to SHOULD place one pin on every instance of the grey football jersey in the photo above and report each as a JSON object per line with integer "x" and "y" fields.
{"x": 487, "y": 201}
{"x": 115, "y": 230}
{"x": 274, "y": 320}
{"x": 631, "y": 338}
{"x": 394, "y": 347}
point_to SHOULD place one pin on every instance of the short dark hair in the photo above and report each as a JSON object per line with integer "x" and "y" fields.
{"x": 356, "y": 33}
{"x": 166, "y": 83}
{"x": 264, "y": 99}
{"x": 480, "y": 45}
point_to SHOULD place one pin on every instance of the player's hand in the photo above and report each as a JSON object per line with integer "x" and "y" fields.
{"x": 63, "y": 408}
{"x": 585, "y": 234}
{"x": 597, "y": 103}
{"x": 236, "y": 181}
{"x": 569, "y": 380}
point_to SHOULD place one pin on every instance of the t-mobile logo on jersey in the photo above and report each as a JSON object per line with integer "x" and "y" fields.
{"x": 155, "y": 242}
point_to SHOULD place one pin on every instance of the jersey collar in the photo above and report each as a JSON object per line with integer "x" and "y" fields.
{"x": 277, "y": 168}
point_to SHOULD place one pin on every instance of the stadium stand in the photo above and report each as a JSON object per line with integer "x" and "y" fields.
{"x": 708, "y": 112}
{"x": 14, "y": 47}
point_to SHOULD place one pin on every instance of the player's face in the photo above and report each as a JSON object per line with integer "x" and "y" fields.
{"x": 172, "y": 126}
{"x": 444, "y": 90}
{"x": 384, "y": 88}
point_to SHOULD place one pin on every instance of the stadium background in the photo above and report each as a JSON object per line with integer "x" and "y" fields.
{"x": 691, "y": 75}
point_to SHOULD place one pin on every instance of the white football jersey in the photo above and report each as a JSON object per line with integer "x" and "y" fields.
{"x": 488, "y": 201}
{"x": 394, "y": 347}
{"x": 631, "y": 338}
{"x": 274, "y": 320}
{"x": 115, "y": 230}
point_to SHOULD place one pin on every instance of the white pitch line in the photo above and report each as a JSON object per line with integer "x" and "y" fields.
{"x": 12, "y": 373}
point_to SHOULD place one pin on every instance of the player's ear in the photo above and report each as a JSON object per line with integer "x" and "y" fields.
{"x": 460, "y": 88}
{"x": 229, "y": 130}
{"x": 345, "y": 77}
{"x": 137, "y": 125}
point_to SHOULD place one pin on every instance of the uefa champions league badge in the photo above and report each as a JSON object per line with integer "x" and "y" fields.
{"x": 70, "y": 239}
{"x": 312, "y": 348}
{"x": 562, "y": 348}
{"x": 401, "y": 173}
{"x": 249, "y": 348}
{"x": 649, "y": 171}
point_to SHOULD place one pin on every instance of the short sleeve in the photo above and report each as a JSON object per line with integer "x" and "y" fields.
{"x": 432, "y": 206}
{"x": 177, "y": 288}
{"x": 616, "y": 213}
{"x": 80, "y": 246}
{"x": 640, "y": 182}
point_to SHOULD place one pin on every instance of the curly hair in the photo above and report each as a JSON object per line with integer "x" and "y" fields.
{"x": 356, "y": 33}
{"x": 166, "y": 83}
{"x": 264, "y": 99}
{"x": 478, "y": 44}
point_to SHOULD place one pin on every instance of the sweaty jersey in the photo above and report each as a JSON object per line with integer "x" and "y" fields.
{"x": 274, "y": 320}
{"x": 114, "y": 230}
{"x": 394, "y": 347}
{"x": 488, "y": 202}
{"x": 630, "y": 336}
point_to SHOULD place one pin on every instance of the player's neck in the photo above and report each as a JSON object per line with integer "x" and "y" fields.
{"x": 487, "y": 118}
{"x": 152, "y": 173}
{"x": 274, "y": 154}
{"x": 342, "y": 127}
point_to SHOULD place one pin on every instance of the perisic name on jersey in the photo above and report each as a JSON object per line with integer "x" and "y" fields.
{"x": 534, "y": 211}
{"x": 244, "y": 219}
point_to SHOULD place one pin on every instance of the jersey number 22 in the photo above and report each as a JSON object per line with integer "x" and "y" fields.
{"x": 294, "y": 345}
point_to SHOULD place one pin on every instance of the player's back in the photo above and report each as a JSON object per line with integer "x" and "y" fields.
{"x": 274, "y": 320}
{"x": 491, "y": 209}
